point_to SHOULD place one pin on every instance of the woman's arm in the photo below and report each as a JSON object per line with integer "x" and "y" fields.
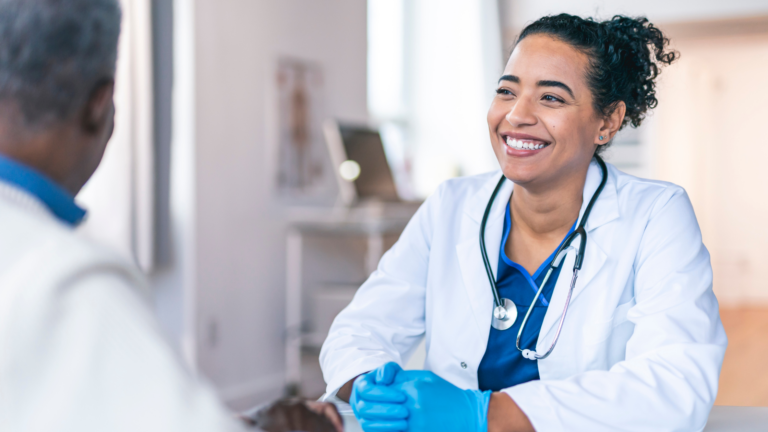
{"x": 505, "y": 416}
{"x": 345, "y": 391}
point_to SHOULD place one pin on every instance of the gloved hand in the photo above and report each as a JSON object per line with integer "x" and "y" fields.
{"x": 436, "y": 405}
{"x": 377, "y": 406}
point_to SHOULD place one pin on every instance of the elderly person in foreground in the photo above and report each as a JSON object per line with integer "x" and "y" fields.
{"x": 79, "y": 348}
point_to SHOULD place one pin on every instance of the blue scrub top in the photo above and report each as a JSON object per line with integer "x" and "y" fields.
{"x": 60, "y": 202}
{"x": 503, "y": 365}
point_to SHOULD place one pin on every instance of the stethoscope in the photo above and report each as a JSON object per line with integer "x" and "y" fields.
{"x": 505, "y": 311}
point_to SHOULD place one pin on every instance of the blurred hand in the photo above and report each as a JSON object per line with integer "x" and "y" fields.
{"x": 294, "y": 414}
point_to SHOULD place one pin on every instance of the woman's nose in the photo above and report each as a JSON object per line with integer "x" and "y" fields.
{"x": 521, "y": 114}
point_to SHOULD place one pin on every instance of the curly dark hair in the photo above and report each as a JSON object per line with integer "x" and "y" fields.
{"x": 625, "y": 58}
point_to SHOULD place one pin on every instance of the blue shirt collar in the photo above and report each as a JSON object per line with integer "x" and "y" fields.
{"x": 60, "y": 202}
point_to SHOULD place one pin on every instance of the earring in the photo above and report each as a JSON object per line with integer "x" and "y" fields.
{"x": 601, "y": 137}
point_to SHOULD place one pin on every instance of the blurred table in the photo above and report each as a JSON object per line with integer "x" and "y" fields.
{"x": 737, "y": 419}
{"x": 371, "y": 221}
{"x": 350, "y": 422}
{"x": 721, "y": 419}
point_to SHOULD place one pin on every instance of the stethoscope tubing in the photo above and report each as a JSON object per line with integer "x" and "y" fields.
{"x": 580, "y": 231}
{"x": 488, "y": 269}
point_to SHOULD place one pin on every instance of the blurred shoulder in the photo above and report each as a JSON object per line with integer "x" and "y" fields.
{"x": 41, "y": 252}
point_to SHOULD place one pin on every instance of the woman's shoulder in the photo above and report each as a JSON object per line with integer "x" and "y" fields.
{"x": 634, "y": 191}
{"x": 458, "y": 193}
{"x": 468, "y": 185}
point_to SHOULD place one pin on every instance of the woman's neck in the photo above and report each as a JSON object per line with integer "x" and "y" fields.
{"x": 543, "y": 211}
{"x": 541, "y": 217}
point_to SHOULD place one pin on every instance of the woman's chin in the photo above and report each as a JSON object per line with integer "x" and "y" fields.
{"x": 521, "y": 174}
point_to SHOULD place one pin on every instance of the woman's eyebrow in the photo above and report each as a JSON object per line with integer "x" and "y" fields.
{"x": 512, "y": 78}
{"x": 548, "y": 83}
{"x": 542, "y": 83}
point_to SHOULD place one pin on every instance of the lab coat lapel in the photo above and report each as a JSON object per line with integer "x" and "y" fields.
{"x": 468, "y": 247}
{"x": 606, "y": 209}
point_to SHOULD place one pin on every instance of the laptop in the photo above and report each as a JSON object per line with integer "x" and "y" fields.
{"x": 360, "y": 163}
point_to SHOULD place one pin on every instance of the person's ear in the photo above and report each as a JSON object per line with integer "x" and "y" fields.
{"x": 611, "y": 123}
{"x": 98, "y": 108}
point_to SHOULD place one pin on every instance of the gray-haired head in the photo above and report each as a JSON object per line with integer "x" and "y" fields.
{"x": 54, "y": 53}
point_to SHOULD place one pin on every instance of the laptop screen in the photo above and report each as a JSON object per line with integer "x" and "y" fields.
{"x": 365, "y": 147}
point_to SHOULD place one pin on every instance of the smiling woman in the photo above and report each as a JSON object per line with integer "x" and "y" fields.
{"x": 569, "y": 86}
{"x": 634, "y": 325}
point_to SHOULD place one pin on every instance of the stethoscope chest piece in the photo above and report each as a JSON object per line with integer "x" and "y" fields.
{"x": 504, "y": 316}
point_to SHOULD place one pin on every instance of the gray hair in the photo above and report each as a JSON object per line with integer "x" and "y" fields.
{"x": 54, "y": 53}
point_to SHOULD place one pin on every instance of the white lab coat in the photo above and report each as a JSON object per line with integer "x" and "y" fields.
{"x": 79, "y": 348}
{"x": 642, "y": 344}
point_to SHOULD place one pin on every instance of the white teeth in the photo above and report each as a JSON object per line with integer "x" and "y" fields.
{"x": 521, "y": 145}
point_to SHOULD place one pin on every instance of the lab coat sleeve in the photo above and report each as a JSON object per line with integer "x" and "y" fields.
{"x": 668, "y": 380}
{"x": 385, "y": 320}
{"x": 90, "y": 357}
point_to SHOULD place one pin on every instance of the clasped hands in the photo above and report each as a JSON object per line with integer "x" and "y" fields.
{"x": 392, "y": 399}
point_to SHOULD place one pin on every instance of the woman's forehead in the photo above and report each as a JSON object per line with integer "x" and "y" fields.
{"x": 543, "y": 57}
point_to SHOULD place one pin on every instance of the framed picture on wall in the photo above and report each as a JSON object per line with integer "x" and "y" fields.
{"x": 303, "y": 172}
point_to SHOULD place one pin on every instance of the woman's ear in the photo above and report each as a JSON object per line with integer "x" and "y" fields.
{"x": 611, "y": 123}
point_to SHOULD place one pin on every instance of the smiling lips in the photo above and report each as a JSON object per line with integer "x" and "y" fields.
{"x": 524, "y": 144}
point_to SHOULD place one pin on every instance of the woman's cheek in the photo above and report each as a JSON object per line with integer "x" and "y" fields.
{"x": 496, "y": 115}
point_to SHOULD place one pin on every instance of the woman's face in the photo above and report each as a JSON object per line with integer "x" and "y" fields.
{"x": 542, "y": 124}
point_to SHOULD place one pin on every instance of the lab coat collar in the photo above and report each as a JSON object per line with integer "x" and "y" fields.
{"x": 468, "y": 248}
{"x": 606, "y": 209}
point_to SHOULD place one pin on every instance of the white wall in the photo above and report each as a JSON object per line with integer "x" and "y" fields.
{"x": 234, "y": 238}
{"x": 710, "y": 140}
{"x": 521, "y": 12}
{"x": 455, "y": 61}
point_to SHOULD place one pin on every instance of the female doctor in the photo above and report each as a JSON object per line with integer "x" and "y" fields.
{"x": 619, "y": 331}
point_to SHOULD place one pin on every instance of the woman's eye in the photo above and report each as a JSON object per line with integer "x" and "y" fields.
{"x": 550, "y": 98}
{"x": 503, "y": 91}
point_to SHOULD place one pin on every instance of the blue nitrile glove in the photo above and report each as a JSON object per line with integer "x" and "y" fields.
{"x": 436, "y": 405}
{"x": 377, "y": 406}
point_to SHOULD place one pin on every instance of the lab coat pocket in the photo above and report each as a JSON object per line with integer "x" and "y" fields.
{"x": 596, "y": 332}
